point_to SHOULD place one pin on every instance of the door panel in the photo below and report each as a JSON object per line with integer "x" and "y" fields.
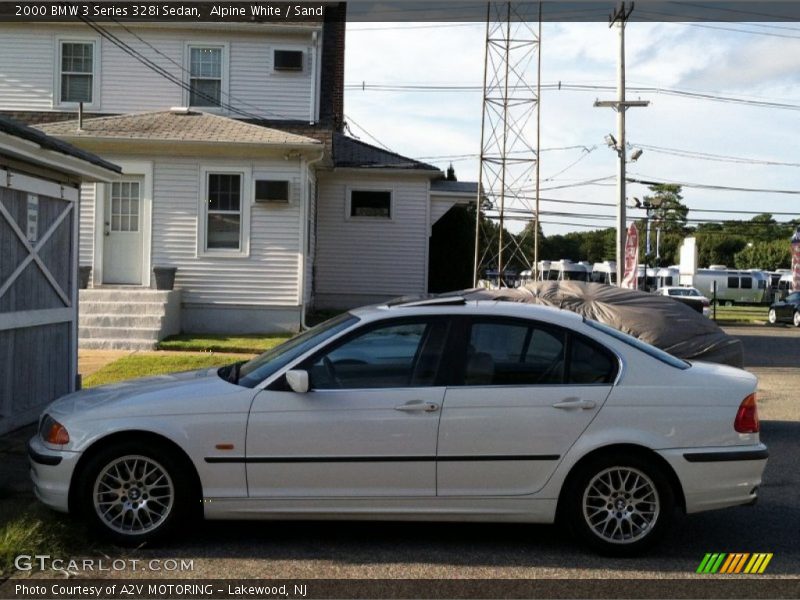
{"x": 122, "y": 245}
{"x": 369, "y": 425}
{"x": 528, "y": 392}
{"x": 346, "y": 443}
{"x": 508, "y": 440}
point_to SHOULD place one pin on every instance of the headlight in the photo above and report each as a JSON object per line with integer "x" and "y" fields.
{"x": 53, "y": 432}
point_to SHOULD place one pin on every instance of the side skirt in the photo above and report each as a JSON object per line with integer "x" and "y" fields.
{"x": 519, "y": 510}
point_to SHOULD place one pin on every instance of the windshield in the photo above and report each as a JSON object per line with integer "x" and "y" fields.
{"x": 684, "y": 292}
{"x": 656, "y": 353}
{"x": 257, "y": 370}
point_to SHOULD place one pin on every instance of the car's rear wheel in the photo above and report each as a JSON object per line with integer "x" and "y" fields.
{"x": 131, "y": 494}
{"x": 772, "y": 316}
{"x": 619, "y": 505}
{"x": 796, "y": 318}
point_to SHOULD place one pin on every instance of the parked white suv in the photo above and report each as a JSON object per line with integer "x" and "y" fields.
{"x": 436, "y": 409}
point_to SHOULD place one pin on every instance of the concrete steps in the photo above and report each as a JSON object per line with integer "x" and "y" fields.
{"x": 126, "y": 318}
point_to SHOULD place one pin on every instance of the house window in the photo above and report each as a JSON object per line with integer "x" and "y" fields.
{"x": 369, "y": 203}
{"x": 224, "y": 212}
{"x": 205, "y": 76}
{"x": 77, "y": 72}
{"x": 288, "y": 60}
{"x": 125, "y": 206}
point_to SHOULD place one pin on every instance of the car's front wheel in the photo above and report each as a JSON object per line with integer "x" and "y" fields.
{"x": 131, "y": 494}
{"x": 618, "y": 504}
{"x": 772, "y": 317}
{"x": 796, "y": 318}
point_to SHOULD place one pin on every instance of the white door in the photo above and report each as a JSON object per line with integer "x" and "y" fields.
{"x": 368, "y": 426}
{"x": 122, "y": 229}
{"x": 528, "y": 392}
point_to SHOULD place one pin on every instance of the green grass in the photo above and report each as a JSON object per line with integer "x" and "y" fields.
{"x": 144, "y": 365}
{"x": 29, "y": 528}
{"x": 248, "y": 344}
{"x": 741, "y": 314}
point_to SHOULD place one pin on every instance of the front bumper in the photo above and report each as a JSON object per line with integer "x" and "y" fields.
{"x": 51, "y": 473}
{"x": 714, "y": 478}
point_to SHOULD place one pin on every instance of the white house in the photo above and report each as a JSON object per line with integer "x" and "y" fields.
{"x": 236, "y": 174}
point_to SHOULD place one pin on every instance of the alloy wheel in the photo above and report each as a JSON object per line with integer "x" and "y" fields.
{"x": 771, "y": 316}
{"x": 133, "y": 495}
{"x": 621, "y": 505}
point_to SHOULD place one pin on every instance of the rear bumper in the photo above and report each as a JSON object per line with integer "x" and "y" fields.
{"x": 714, "y": 478}
{"x": 51, "y": 473}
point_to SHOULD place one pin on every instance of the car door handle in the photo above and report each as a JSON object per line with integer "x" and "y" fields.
{"x": 417, "y": 406}
{"x": 568, "y": 403}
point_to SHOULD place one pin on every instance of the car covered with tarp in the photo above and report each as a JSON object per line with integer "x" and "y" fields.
{"x": 657, "y": 320}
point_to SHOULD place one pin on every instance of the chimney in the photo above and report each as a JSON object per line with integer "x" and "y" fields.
{"x": 451, "y": 173}
{"x": 332, "y": 83}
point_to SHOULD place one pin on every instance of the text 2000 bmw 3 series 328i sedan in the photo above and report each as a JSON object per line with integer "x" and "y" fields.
{"x": 430, "y": 410}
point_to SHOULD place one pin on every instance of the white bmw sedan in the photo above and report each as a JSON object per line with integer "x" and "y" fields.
{"x": 432, "y": 410}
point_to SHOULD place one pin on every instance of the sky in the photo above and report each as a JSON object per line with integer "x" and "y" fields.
{"x": 751, "y": 61}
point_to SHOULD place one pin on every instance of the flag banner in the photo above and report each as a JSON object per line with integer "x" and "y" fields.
{"x": 796, "y": 265}
{"x": 631, "y": 258}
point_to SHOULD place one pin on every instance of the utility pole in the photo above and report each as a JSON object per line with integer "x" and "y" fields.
{"x": 618, "y": 19}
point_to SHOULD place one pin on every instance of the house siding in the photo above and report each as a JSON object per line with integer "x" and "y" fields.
{"x": 267, "y": 277}
{"x": 86, "y": 223}
{"x": 365, "y": 260}
{"x": 27, "y": 67}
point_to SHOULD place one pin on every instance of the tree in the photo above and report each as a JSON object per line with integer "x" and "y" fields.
{"x": 670, "y": 213}
{"x": 765, "y": 255}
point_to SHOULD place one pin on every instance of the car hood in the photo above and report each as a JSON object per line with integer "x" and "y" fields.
{"x": 175, "y": 393}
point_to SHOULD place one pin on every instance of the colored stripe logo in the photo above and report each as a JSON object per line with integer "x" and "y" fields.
{"x": 734, "y": 563}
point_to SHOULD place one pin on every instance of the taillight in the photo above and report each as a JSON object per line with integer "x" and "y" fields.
{"x": 54, "y": 432}
{"x": 746, "y": 420}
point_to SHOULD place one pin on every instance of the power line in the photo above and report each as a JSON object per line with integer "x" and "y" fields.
{"x": 561, "y": 86}
{"x": 134, "y": 53}
{"x": 705, "y": 186}
{"x": 368, "y": 134}
{"x": 714, "y": 157}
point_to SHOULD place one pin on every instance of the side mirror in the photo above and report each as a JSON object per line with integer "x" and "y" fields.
{"x": 297, "y": 380}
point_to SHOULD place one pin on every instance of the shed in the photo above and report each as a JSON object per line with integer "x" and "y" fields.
{"x": 40, "y": 181}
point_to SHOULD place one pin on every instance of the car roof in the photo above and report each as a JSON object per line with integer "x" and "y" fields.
{"x": 454, "y": 305}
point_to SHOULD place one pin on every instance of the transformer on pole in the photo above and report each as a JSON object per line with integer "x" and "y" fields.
{"x": 508, "y": 188}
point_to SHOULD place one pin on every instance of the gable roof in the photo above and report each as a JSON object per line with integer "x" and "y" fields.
{"x": 177, "y": 126}
{"x": 454, "y": 187}
{"x": 351, "y": 153}
{"x": 20, "y": 130}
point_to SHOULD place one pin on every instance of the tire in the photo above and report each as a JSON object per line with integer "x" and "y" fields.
{"x": 729, "y": 303}
{"x": 616, "y": 480}
{"x": 133, "y": 493}
{"x": 772, "y": 317}
{"x": 796, "y": 318}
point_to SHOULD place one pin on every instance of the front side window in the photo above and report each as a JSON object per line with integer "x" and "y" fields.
{"x": 390, "y": 355}
{"x": 365, "y": 203}
{"x": 205, "y": 76}
{"x": 77, "y": 71}
{"x": 224, "y": 211}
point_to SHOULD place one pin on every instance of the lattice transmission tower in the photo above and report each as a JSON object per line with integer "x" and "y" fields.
{"x": 509, "y": 172}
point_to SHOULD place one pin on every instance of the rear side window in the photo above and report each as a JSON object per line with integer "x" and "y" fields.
{"x": 589, "y": 363}
{"x": 656, "y": 353}
{"x": 513, "y": 353}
